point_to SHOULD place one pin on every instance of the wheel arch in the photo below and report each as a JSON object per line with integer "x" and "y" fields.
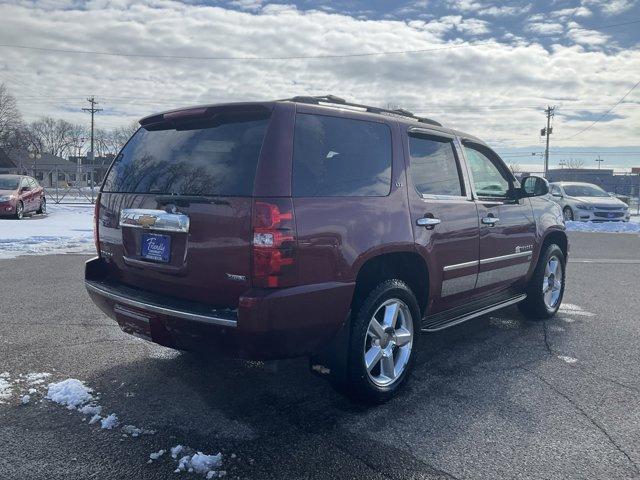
{"x": 408, "y": 266}
{"x": 559, "y": 237}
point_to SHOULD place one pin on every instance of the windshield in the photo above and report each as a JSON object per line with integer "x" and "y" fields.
{"x": 584, "y": 191}
{"x": 217, "y": 156}
{"x": 9, "y": 183}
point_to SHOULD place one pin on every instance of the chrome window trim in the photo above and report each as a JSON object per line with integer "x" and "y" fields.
{"x": 212, "y": 320}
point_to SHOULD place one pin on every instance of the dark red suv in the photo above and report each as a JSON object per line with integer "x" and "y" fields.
{"x": 313, "y": 226}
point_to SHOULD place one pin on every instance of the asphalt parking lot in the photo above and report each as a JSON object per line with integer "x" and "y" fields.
{"x": 497, "y": 397}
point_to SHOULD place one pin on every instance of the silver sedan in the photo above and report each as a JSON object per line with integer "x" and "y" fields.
{"x": 587, "y": 202}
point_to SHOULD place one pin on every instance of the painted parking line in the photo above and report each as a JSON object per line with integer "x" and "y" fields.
{"x": 631, "y": 261}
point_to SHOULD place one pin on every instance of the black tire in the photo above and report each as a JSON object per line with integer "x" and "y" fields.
{"x": 19, "y": 210}
{"x": 360, "y": 384}
{"x": 535, "y": 307}
{"x": 567, "y": 213}
{"x": 43, "y": 206}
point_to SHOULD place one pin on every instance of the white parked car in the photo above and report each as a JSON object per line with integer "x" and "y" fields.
{"x": 587, "y": 202}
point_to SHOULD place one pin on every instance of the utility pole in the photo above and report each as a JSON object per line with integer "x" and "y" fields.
{"x": 599, "y": 160}
{"x": 92, "y": 110}
{"x": 545, "y": 132}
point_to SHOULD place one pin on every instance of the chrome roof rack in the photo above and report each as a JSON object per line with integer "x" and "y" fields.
{"x": 333, "y": 100}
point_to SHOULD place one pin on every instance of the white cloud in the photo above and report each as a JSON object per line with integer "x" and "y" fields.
{"x": 451, "y": 84}
{"x": 545, "y": 28}
{"x": 488, "y": 9}
{"x": 611, "y": 7}
{"x": 571, "y": 12}
{"x": 252, "y": 5}
{"x": 504, "y": 11}
{"x": 584, "y": 36}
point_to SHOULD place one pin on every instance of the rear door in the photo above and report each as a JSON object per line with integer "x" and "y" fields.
{"x": 507, "y": 223}
{"x": 444, "y": 216}
{"x": 175, "y": 213}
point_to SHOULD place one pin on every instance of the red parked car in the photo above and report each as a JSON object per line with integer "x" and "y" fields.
{"x": 20, "y": 195}
{"x": 314, "y": 226}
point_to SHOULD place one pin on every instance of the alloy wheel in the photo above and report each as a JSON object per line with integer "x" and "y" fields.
{"x": 388, "y": 343}
{"x": 552, "y": 282}
{"x": 567, "y": 214}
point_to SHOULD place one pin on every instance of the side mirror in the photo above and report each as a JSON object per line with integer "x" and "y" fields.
{"x": 534, "y": 186}
{"x": 556, "y": 194}
{"x": 24, "y": 189}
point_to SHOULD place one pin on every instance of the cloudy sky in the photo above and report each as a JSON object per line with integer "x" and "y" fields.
{"x": 486, "y": 67}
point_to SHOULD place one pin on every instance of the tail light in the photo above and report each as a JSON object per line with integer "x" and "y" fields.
{"x": 274, "y": 243}
{"x": 96, "y": 220}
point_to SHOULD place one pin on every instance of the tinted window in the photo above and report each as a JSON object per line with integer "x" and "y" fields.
{"x": 218, "y": 156}
{"x": 434, "y": 169}
{"x": 554, "y": 190}
{"x": 584, "y": 191}
{"x": 488, "y": 179}
{"x": 340, "y": 157}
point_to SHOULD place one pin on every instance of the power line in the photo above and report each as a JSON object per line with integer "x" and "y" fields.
{"x": 288, "y": 57}
{"x": 604, "y": 114}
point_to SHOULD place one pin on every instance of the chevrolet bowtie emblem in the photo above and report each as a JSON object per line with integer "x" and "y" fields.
{"x": 147, "y": 221}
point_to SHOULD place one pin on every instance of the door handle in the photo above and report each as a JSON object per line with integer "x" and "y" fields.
{"x": 490, "y": 220}
{"x": 428, "y": 222}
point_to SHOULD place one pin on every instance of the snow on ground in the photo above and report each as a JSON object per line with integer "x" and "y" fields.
{"x": 65, "y": 229}
{"x": 5, "y": 388}
{"x": 70, "y": 392}
{"x": 609, "y": 227}
{"x": 75, "y": 395}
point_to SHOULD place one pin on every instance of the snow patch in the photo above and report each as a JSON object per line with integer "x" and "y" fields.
{"x": 569, "y": 360}
{"x": 109, "y": 422}
{"x": 199, "y": 462}
{"x": 135, "y": 431}
{"x": 155, "y": 455}
{"x": 25, "y": 399}
{"x": 5, "y": 388}
{"x": 36, "y": 378}
{"x": 65, "y": 229}
{"x": 90, "y": 409}
{"x": 608, "y": 227}
{"x": 177, "y": 450}
{"x": 69, "y": 392}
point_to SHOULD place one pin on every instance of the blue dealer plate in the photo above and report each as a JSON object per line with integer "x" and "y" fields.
{"x": 156, "y": 247}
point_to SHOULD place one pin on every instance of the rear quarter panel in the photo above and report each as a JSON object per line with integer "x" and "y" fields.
{"x": 337, "y": 235}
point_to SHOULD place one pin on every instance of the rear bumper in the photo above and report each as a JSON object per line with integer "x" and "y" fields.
{"x": 268, "y": 323}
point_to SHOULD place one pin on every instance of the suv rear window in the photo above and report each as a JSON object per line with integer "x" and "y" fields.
{"x": 335, "y": 157}
{"x": 216, "y": 156}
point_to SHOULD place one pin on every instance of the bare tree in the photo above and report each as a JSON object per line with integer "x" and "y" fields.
{"x": 10, "y": 118}
{"x": 49, "y": 135}
{"x": 575, "y": 163}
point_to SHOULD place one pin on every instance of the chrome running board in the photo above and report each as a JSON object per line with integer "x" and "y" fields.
{"x": 442, "y": 321}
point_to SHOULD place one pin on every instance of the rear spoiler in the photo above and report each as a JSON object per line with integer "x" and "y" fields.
{"x": 226, "y": 112}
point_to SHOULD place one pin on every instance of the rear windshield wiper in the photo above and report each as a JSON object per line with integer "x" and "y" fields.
{"x": 186, "y": 200}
